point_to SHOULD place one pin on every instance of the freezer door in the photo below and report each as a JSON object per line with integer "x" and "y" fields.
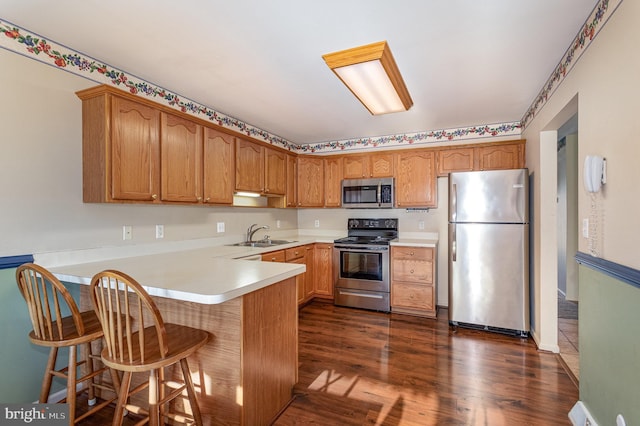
{"x": 489, "y": 275}
{"x": 496, "y": 196}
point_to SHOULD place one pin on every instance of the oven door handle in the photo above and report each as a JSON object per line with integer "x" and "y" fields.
{"x": 368, "y": 249}
{"x": 353, "y": 293}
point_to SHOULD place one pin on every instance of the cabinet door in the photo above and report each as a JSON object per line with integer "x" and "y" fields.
{"x": 274, "y": 256}
{"x": 381, "y": 165}
{"x": 309, "y": 257}
{"x": 455, "y": 160}
{"x": 275, "y": 168}
{"x": 355, "y": 166}
{"x": 219, "y": 167}
{"x": 332, "y": 181}
{"x": 310, "y": 182}
{"x": 135, "y": 151}
{"x": 181, "y": 155}
{"x": 323, "y": 270}
{"x": 412, "y": 298}
{"x": 500, "y": 157}
{"x": 292, "y": 181}
{"x": 416, "y": 179}
{"x": 249, "y": 166}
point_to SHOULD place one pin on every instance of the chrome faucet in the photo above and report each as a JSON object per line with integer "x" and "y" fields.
{"x": 251, "y": 230}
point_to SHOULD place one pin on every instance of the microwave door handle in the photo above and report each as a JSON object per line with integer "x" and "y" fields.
{"x": 379, "y": 194}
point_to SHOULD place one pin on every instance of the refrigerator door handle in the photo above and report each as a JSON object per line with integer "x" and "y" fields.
{"x": 453, "y": 244}
{"x": 454, "y": 202}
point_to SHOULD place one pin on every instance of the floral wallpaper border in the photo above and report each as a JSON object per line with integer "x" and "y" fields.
{"x": 596, "y": 21}
{"x": 26, "y": 43}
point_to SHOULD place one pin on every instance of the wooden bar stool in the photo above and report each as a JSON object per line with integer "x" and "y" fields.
{"x": 48, "y": 300}
{"x": 138, "y": 340}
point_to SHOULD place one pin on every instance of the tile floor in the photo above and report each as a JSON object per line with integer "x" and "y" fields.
{"x": 568, "y": 342}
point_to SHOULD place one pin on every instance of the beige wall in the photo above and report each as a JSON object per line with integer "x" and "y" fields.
{"x": 41, "y": 185}
{"x": 603, "y": 88}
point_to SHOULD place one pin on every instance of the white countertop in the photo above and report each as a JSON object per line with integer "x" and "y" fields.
{"x": 207, "y": 274}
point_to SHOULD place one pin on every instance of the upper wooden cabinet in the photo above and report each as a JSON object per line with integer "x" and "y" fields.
{"x": 371, "y": 165}
{"x": 260, "y": 169}
{"x": 249, "y": 166}
{"x": 492, "y": 156}
{"x": 416, "y": 179}
{"x": 181, "y": 153}
{"x": 120, "y": 148}
{"x": 291, "y": 194}
{"x": 496, "y": 157}
{"x": 275, "y": 172}
{"x": 332, "y": 181}
{"x": 310, "y": 181}
{"x": 219, "y": 167}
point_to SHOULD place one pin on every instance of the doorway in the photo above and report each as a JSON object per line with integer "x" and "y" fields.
{"x": 567, "y": 234}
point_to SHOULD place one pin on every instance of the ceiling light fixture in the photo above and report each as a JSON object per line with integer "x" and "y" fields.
{"x": 371, "y": 73}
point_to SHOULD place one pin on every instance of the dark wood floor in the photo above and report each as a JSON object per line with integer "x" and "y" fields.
{"x": 368, "y": 368}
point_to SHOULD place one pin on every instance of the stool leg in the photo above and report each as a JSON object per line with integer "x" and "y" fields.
{"x": 88, "y": 371}
{"x": 48, "y": 377}
{"x": 123, "y": 395}
{"x": 71, "y": 383}
{"x": 191, "y": 392}
{"x": 154, "y": 409}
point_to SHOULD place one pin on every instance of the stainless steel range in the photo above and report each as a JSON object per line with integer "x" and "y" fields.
{"x": 361, "y": 264}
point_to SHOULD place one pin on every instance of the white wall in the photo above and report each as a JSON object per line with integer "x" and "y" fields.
{"x": 41, "y": 184}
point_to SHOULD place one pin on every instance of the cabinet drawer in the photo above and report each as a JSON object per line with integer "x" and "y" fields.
{"x": 412, "y": 253}
{"x": 294, "y": 253}
{"x": 413, "y": 296}
{"x": 415, "y": 271}
{"x": 274, "y": 256}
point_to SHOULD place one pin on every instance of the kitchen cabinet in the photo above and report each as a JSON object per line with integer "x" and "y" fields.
{"x": 416, "y": 179}
{"x": 455, "y": 160}
{"x": 368, "y": 165}
{"x": 309, "y": 275}
{"x": 291, "y": 193}
{"x": 310, "y": 181}
{"x": 249, "y": 166}
{"x": 219, "y": 167}
{"x": 323, "y": 270}
{"x": 181, "y": 154}
{"x": 274, "y": 256}
{"x": 491, "y": 156}
{"x": 275, "y": 172}
{"x": 120, "y": 148}
{"x": 496, "y": 157}
{"x": 260, "y": 169}
{"x": 413, "y": 284}
{"x": 333, "y": 181}
{"x": 302, "y": 255}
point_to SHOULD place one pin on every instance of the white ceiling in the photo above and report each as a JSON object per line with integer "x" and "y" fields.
{"x": 465, "y": 62}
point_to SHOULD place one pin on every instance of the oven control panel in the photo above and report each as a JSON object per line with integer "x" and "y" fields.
{"x": 390, "y": 224}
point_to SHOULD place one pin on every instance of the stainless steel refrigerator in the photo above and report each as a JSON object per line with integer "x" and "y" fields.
{"x": 489, "y": 250}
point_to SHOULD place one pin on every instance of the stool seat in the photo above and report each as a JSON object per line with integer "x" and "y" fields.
{"x": 184, "y": 342}
{"x": 70, "y": 335}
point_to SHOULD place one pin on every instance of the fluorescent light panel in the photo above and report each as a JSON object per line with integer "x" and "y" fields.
{"x": 371, "y": 74}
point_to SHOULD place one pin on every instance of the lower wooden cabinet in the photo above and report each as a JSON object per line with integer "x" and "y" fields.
{"x": 413, "y": 284}
{"x": 303, "y": 255}
{"x": 323, "y": 270}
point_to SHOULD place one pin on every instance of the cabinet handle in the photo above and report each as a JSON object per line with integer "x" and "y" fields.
{"x": 199, "y": 198}
{"x": 411, "y": 271}
{"x": 273, "y": 259}
{"x": 411, "y": 254}
{"x": 154, "y": 196}
{"x": 206, "y": 200}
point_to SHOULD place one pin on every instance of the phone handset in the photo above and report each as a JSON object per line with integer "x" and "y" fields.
{"x": 594, "y": 173}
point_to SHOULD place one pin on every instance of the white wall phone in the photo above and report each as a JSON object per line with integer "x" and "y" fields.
{"x": 594, "y": 173}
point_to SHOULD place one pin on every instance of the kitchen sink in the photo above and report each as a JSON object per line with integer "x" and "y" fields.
{"x": 263, "y": 243}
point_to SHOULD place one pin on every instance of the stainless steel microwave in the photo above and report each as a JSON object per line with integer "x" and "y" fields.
{"x": 368, "y": 193}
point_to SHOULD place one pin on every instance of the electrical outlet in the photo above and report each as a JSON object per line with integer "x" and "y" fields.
{"x": 159, "y": 231}
{"x": 585, "y": 228}
{"x": 316, "y": 223}
{"x": 421, "y": 225}
{"x": 126, "y": 232}
{"x": 277, "y": 224}
{"x": 220, "y": 227}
